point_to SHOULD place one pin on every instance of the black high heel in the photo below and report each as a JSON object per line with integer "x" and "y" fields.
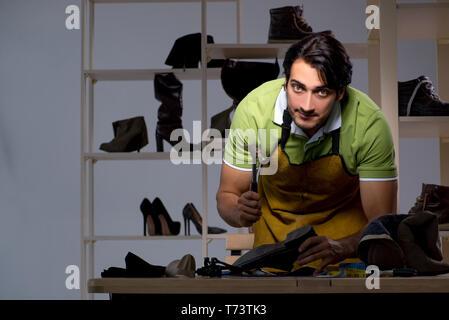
{"x": 168, "y": 226}
{"x": 191, "y": 214}
{"x": 150, "y": 219}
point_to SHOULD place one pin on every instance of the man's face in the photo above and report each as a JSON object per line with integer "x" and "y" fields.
{"x": 309, "y": 101}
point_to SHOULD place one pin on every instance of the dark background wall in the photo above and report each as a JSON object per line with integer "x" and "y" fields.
{"x": 40, "y": 129}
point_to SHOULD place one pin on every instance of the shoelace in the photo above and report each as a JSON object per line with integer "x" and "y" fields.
{"x": 429, "y": 86}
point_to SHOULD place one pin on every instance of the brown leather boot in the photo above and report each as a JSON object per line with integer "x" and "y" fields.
{"x": 287, "y": 25}
{"x": 433, "y": 198}
{"x": 418, "y": 97}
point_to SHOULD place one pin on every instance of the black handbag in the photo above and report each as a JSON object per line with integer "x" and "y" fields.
{"x": 239, "y": 78}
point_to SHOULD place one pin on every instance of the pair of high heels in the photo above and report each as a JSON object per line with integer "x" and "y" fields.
{"x": 190, "y": 213}
{"x": 157, "y": 220}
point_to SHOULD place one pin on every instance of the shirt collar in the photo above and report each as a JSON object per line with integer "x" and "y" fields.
{"x": 332, "y": 123}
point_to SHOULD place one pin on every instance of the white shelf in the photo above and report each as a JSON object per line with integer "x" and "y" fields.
{"x": 423, "y": 127}
{"x": 196, "y": 155}
{"x": 216, "y": 236}
{"x": 127, "y": 155}
{"x": 148, "y": 74}
{"x": 155, "y": 1}
{"x": 138, "y": 238}
{"x": 270, "y": 50}
{"x": 423, "y": 20}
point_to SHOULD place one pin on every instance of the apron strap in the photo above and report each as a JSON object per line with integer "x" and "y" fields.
{"x": 286, "y": 128}
{"x": 336, "y": 141}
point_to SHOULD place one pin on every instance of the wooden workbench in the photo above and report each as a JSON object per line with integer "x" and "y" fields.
{"x": 267, "y": 285}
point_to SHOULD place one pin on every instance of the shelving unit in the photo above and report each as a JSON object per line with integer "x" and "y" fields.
{"x": 410, "y": 21}
{"x": 89, "y": 77}
{"x": 398, "y": 21}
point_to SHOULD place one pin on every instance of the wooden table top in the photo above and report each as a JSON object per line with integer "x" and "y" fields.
{"x": 270, "y": 285}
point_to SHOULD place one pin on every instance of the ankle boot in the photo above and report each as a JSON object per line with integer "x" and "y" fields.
{"x": 186, "y": 52}
{"x": 287, "y": 25}
{"x": 168, "y": 90}
{"x": 418, "y": 97}
{"x": 129, "y": 135}
{"x": 433, "y": 198}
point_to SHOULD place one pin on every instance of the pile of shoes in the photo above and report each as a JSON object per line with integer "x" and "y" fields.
{"x": 157, "y": 220}
{"x": 409, "y": 240}
{"x": 418, "y": 97}
{"x": 136, "y": 267}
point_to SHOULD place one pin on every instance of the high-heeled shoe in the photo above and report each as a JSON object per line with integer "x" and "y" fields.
{"x": 150, "y": 219}
{"x": 168, "y": 226}
{"x": 191, "y": 214}
{"x": 129, "y": 135}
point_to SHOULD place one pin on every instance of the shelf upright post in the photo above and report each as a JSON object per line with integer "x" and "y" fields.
{"x": 83, "y": 278}
{"x": 389, "y": 72}
{"x": 91, "y": 138}
{"x": 239, "y": 21}
{"x": 443, "y": 91}
{"x": 204, "y": 57}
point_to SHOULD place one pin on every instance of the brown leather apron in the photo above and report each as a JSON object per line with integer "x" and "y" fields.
{"x": 321, "y": 193}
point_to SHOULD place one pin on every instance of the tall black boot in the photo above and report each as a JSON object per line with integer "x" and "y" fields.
{"x": 168, "y": 90}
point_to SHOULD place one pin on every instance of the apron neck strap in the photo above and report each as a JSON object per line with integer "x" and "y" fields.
{"x": 286, "y": 128}
{"x": 336, "y": 141}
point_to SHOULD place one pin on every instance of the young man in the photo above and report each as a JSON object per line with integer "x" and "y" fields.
{"x": 335, "y": 159}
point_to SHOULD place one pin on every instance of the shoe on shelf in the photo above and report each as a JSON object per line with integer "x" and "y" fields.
{"x": 151, "y": 220}
{"x": 129, "y": 135}
{"x": 238, "y": 78}
{"x": 168, "y": 90}
{"x": 191, "y": 214}
{"x": 418, "y": 97}
{"x": 435, "y": 199}
{"x": 222, "y": 120}
{"x": 186, "y": 52}
{"x": 168, "y": 226}
{"x": 287, "y": 25}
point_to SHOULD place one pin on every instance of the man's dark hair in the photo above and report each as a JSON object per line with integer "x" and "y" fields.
{"x": 325, "y": 54}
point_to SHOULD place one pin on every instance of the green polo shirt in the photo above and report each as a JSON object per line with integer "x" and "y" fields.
{"x": 366, "y": 144}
